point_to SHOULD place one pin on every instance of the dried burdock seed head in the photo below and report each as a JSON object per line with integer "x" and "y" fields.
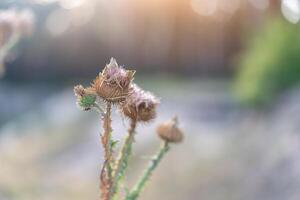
{"x": 113, "y": 82}
{"x": 169, "y": 131}
{"x": 140, "y": 105}
{"x": 86, "y": 97}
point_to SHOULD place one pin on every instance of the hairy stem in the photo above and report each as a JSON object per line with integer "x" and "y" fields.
{"x": 122, "y": 160}
{"x": 106, "y": 172}
{"x": 138, "y": 187}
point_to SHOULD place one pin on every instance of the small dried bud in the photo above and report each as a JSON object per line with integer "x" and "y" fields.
{"x": 86, "y": 97}
{"x": 169, "y": 131}
{"x": 113, "y": 83}
{"x": 139, "y": 105}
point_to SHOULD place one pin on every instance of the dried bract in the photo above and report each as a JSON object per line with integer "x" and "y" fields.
{"x": 113, "y": 82}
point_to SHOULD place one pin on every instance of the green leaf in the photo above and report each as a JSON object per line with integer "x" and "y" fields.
{"x": 114, "y": 143}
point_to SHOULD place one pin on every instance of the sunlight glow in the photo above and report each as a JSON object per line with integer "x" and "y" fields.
{"x": 66, "y": 4}
{"x": 219, "y": 10}
{"x": 260, "y": 4}
{"x": 203, "y": 7}
{"x": 229, "y": 8}
{"x": 71, "y": 4}
{"x": 58, "y": 22}
{"x": 82, "y": 15}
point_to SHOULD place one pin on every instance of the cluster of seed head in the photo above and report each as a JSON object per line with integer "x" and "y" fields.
{"x": 115, "y": 85}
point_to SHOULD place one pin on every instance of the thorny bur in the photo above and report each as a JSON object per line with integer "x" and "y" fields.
{"x": 112, "y": 84}
{"x": 86, "y": 97}
{"x": 139, "y": 105}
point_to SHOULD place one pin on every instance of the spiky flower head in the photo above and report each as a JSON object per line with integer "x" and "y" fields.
{"x": 86, "y": 97}
{"x": 113, "y": 82}
{"x": 140, "y": 105}
{"x": 169, "y": 131}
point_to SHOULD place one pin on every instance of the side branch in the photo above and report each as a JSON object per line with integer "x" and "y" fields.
{"x": 136, "y": 190}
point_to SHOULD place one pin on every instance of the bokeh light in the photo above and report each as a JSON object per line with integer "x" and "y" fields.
{"x": 260, "y": 4}
{"x": 291, "y": 10}
{"x": 205, "y": 8}
{"x": 58, "y": 22}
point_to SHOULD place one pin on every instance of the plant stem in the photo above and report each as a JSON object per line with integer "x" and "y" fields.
{"x": 123, "y": 157}
{"x": 106, "y": 172}
{"x": 136, "y": 190}
{"x": 4, "y": 50}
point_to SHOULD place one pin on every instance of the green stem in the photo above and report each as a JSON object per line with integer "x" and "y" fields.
{"x": 122, "y": 160}
{"x": 99, "y": 109}
{"x": 136, "y": 190}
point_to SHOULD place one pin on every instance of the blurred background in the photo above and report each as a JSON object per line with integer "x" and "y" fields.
{"x": 228, "y": 68}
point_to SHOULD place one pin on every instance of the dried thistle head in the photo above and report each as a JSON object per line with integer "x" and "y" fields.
{"x": 169, "y": 131}
{"x": 113, "y": 82}
{"x": 86, "y": 97}
{"x": 139, "y": 105}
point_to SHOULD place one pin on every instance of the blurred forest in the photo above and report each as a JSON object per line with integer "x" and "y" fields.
{"x": 157, "y": 36}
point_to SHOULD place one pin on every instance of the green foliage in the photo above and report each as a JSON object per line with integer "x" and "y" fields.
{"x": 270, "y": 64}
{"x": 122, "y": 163}
{"x": 113, "y": 143}
{"x": 87, "y": 101}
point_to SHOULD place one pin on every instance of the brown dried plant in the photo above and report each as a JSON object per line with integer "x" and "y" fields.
{"x": 114, "y": 86}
